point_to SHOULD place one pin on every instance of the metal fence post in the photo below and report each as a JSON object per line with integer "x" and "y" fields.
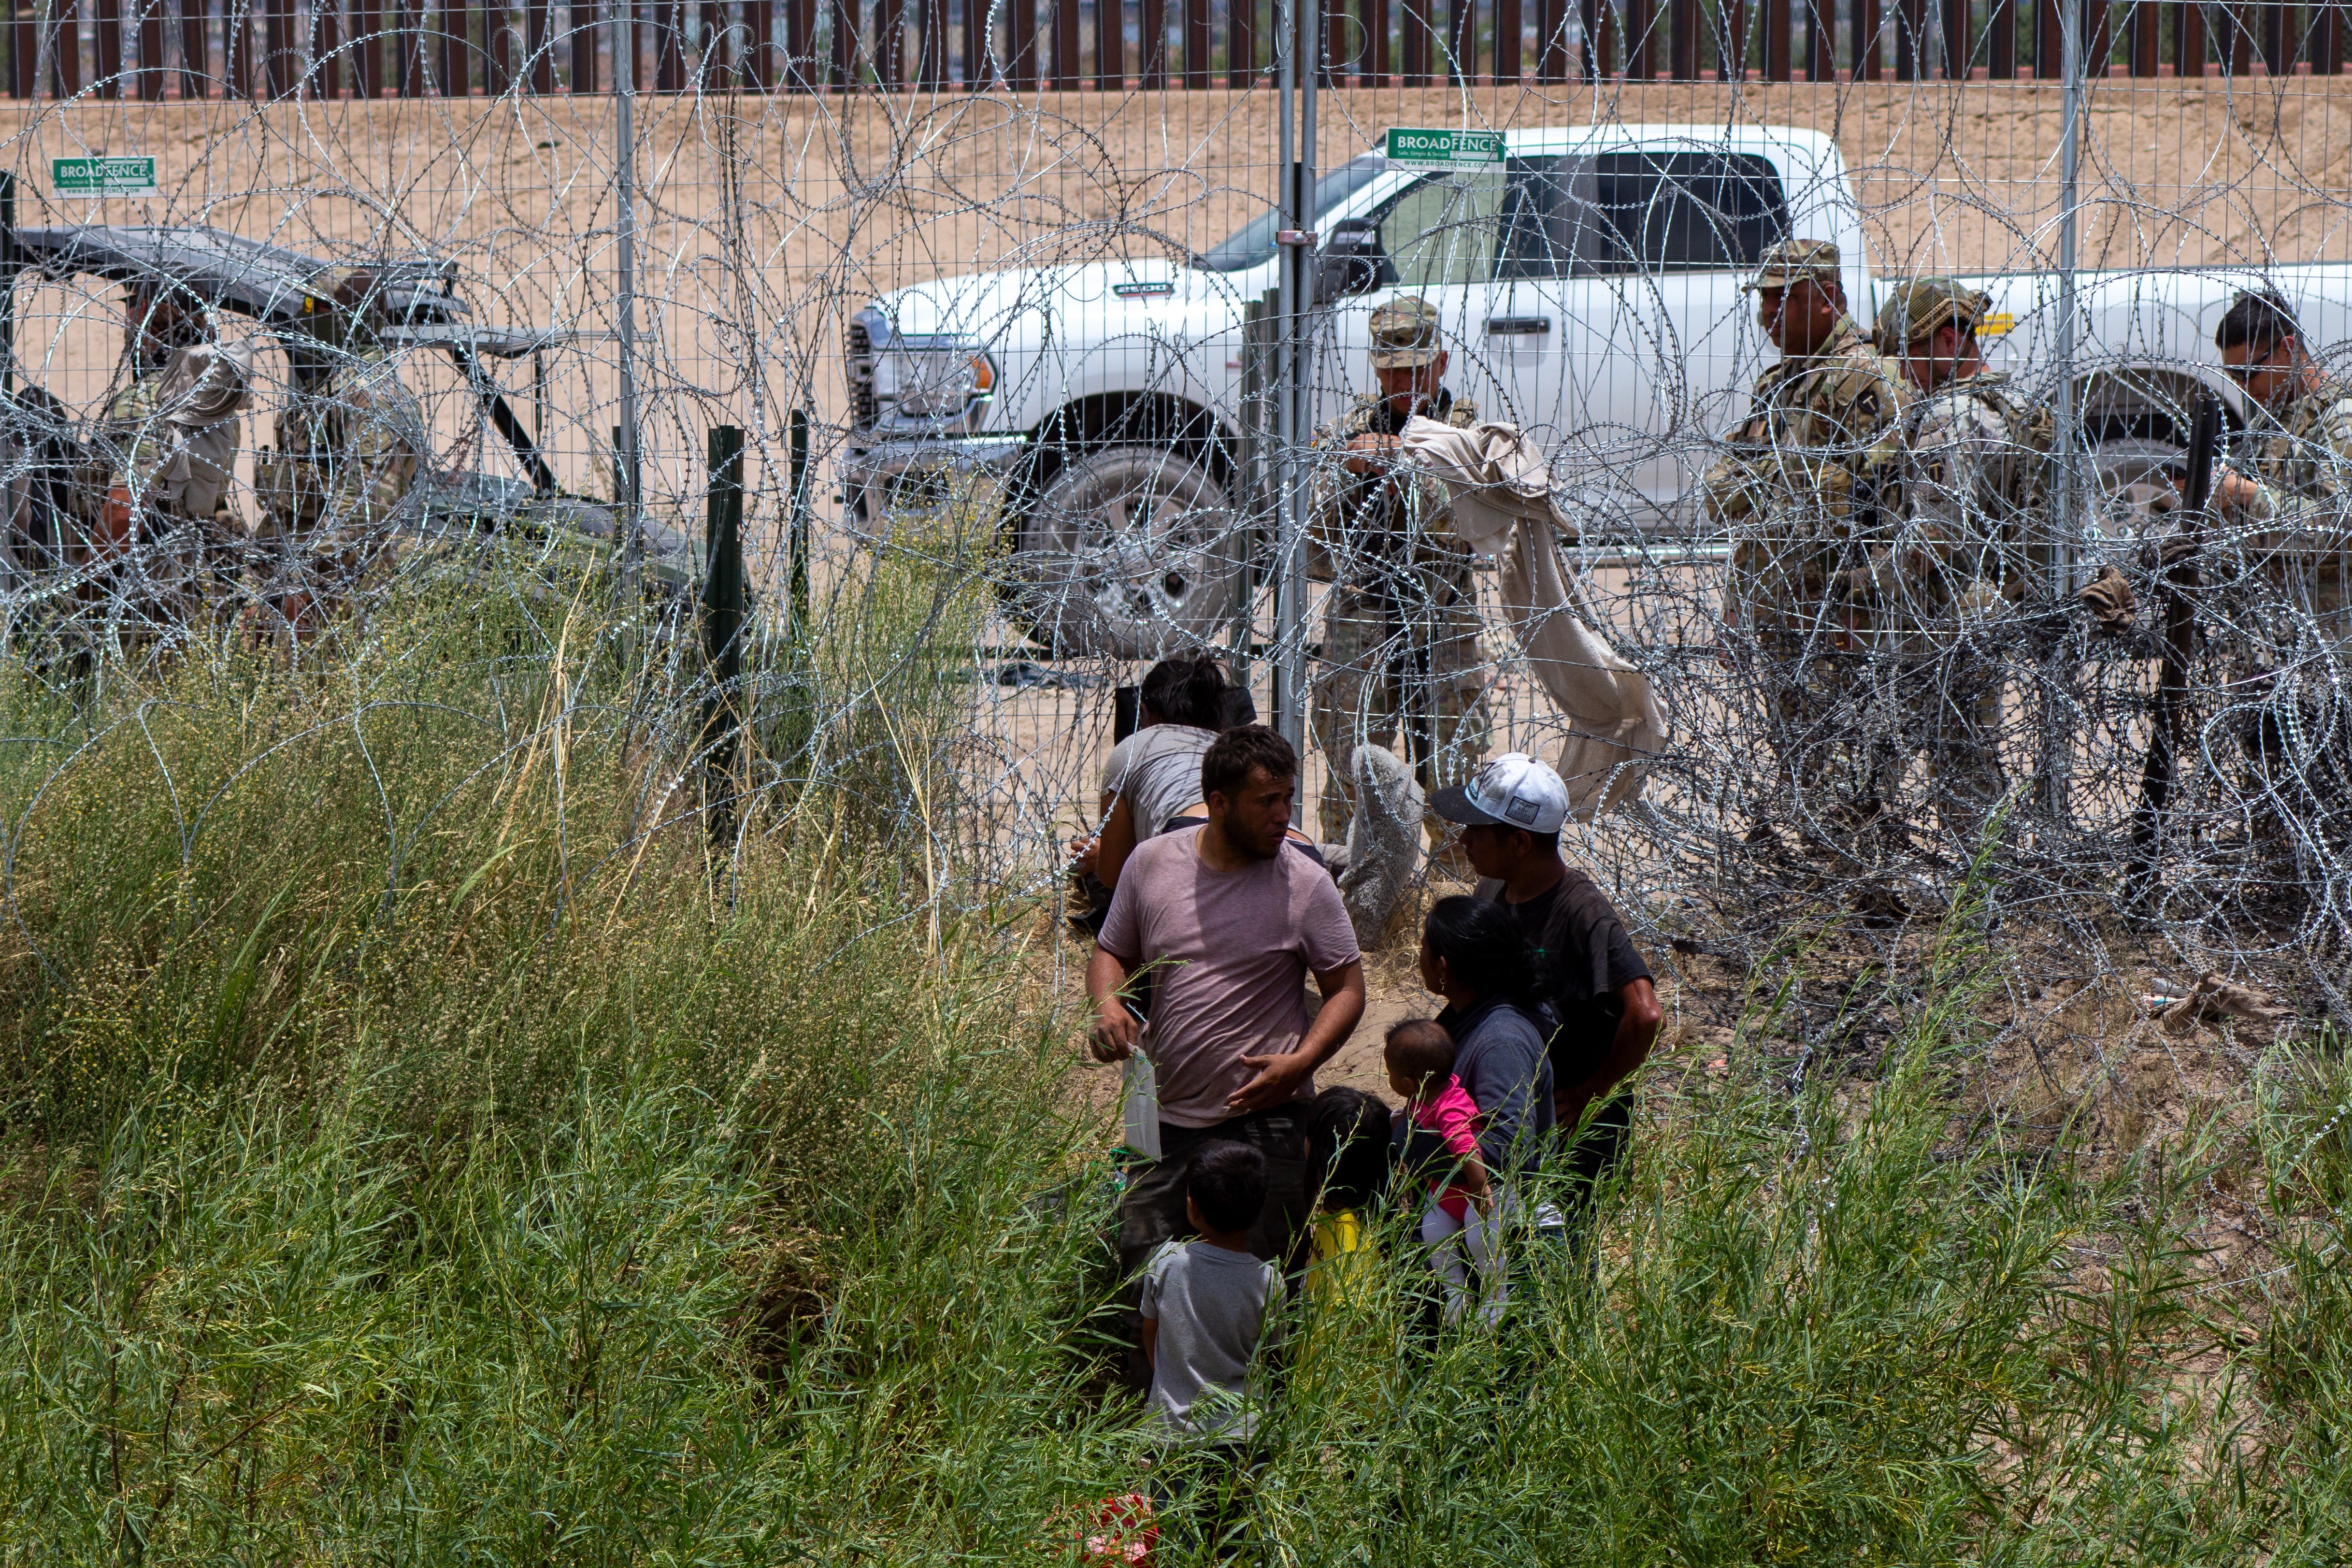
{"x": 1257, "y": 493}
{"x": 2065, "y": 490}
{"x": 7, "y": 285}
{"x": 796, "y": 543}
{"x": 722, "y": 628}
{"x": 625, "y": 155}
{"x": 1297, "y": 27}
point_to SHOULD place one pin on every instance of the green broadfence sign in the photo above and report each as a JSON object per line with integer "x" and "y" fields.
{"x": 1428, "y": 145}
{"x": 103, "y": 177}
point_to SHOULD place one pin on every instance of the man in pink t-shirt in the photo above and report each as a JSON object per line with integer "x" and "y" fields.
{"x": 1224, "y": 922}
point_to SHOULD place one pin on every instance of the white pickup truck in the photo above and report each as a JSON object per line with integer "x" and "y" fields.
{"x": 1589, "y": 290}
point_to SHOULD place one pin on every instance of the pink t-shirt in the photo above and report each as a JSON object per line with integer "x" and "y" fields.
{"x": 1454, "y": 1117}
{"x": 1231, "y": 953}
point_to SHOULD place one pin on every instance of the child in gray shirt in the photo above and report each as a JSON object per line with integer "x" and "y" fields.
{"x": 1205, "y": 1302}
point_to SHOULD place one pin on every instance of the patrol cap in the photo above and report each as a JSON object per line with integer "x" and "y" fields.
{"x": 1792, "y": 261}
{"x": 351, "y": 288}
{"x": 1513, "y": 791}
{"x": 1404, "y": 334}
{"x": 1920, "y": 305}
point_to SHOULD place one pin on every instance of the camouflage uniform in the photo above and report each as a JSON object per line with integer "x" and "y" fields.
{"x": 1400, "y": 622}
{"x": 2296, "y": 542}
{"x": 1793, "y": 496}
{"x": 1951, "y": 565}
{"x": 2302, "y": 524}
{"x": 346, "y": 456}
{"x": 163, "y": 456}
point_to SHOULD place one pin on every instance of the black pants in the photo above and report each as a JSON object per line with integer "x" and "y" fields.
{"x": 1202, "y": 1495}
{"x": 1589, "y": 1160}
{"x": 1151, "y": 1211}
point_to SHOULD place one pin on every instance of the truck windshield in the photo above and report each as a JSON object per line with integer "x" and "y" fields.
{"x": 1246, "y": 248}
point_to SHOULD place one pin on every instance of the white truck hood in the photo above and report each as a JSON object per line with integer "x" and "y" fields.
{"x": 1058, "y": 333}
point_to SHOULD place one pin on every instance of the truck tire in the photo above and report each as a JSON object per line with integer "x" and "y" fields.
{"x": 1128, "y": 552}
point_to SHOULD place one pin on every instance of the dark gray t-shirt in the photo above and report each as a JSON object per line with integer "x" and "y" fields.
{"x": 1211, "y": 1305}
{"x": 1499, "y": 1055}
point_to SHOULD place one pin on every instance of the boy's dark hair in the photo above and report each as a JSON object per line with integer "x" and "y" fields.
{"x": 1226, "y": 766}
{"x": 1228, "y": 1181}
{"x": 1419, "y": 1049}
{"x": 1187, "y": 691}
{"x": 1348, "y": 1152}
{"x": 2259, "y": 319}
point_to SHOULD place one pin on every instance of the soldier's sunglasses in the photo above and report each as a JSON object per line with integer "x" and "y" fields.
{"x": 2257, "y": 366}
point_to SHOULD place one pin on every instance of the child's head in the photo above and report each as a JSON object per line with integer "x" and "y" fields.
{"x": 1420, "y": 1058}
{"x": 1348, "y": 1152}
{"x": 1227, "y": 1187}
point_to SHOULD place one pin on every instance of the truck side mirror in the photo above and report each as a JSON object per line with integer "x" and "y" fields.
{"x": 1351, "y": 261}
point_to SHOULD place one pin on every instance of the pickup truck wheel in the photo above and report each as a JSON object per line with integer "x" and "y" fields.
{"x": 1128, "y": 552}
{"x": 2129, "y": 473}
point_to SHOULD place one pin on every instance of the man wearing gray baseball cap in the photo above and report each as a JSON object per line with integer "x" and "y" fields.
{"x": 1604, "y": 1007}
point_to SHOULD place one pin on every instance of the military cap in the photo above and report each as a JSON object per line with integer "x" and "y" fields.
{"x": 350, "y": 288}
{"x": 1404, "y": 334}
{"x": 1792, "y": 259}
{"x": 1916, "y": 308}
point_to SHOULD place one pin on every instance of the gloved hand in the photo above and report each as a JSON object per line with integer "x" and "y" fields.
{"x": 1869, "y": 584}
{"x": 2110, "y": 601}
{"x": 2161, "y": 554}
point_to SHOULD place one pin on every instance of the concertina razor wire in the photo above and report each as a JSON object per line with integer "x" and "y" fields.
{"x": 992, "y": 295}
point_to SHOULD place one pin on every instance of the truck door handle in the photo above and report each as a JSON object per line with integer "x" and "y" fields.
{"x": 1517, "y": 326}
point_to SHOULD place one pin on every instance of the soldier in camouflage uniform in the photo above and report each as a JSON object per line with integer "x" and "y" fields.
{"x": 346, "y": 455}
{"x": 1945, "y": 574}
{"x": 1793, "y": 494}
{"x": 2296, "y": 510}
{"x": 153, "y": 497}
{"x": 2290, "y": 530}
{"x": 1400, "y": 624}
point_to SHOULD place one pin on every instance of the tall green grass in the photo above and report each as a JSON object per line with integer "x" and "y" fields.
{"x": 422, "y": 1146}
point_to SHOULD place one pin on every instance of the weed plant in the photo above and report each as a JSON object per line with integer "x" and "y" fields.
{"x": 420, "y": 1147}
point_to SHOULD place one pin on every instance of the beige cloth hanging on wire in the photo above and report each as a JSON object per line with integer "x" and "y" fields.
{"x": 1502, "y": 506}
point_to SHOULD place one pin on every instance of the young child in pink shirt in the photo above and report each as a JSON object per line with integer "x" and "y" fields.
{"x": 1461, "y": 1218}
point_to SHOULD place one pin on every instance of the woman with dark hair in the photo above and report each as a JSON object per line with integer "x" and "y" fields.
{"x": 1184, "y": 705}
{"x": 1472, "y": 955}
{"x": 1155, "y": 773}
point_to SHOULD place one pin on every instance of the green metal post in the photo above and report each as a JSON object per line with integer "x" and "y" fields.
{"x": 722, "y": 628}
{"x": 797, "y": 543}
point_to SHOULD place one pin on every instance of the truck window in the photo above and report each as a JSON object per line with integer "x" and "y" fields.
{"x": 1443, "y": 230}
{"x": 1588, "y": 216}
{"x": 1253, "y": 242}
